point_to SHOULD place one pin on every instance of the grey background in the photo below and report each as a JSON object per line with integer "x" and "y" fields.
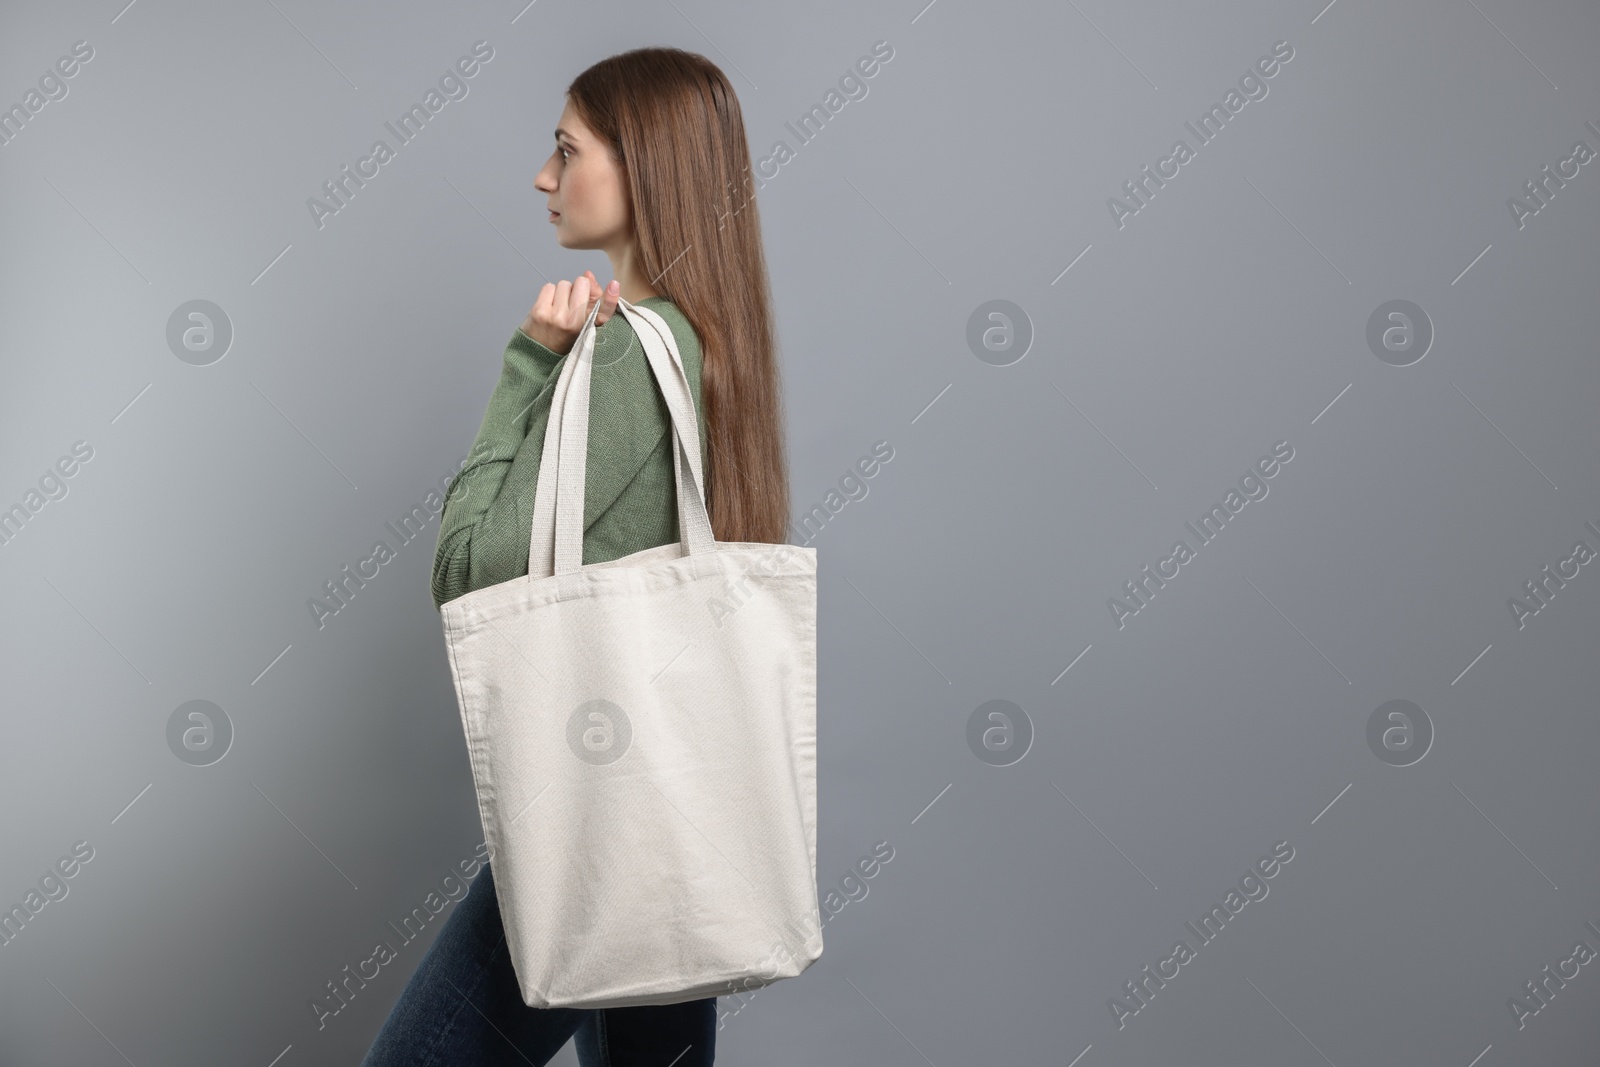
{"x": 1228, "y": 315}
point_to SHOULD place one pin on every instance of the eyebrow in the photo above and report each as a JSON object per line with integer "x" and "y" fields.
{"x": 560, "y": 133}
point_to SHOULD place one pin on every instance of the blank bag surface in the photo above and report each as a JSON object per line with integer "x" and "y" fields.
{"x": 643, "y": 736}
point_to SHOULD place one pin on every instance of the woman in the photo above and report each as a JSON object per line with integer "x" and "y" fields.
{"x": 650, "y": 166}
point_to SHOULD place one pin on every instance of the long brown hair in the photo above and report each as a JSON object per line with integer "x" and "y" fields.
{"x": 675, "y": 128}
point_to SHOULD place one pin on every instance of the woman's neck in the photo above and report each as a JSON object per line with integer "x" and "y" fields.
{"x": 625, "y": 268}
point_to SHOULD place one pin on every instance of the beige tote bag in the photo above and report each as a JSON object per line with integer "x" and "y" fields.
{"x": 643, "y": 735}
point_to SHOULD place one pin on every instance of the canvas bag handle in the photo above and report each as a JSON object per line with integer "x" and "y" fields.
{"x": 555, "y": 542}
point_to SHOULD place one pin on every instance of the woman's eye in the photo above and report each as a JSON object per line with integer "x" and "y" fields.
{"x": 563, "y": 152}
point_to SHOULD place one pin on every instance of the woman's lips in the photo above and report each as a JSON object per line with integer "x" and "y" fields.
{"x": 554, "y": 215}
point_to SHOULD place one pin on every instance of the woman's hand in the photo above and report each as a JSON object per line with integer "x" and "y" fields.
{"x": 558, "y": 315}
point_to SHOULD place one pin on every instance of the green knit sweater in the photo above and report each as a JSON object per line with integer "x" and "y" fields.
{"x": 630, "y": 500}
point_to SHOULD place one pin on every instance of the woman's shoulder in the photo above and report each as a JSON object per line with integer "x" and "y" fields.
{"x": 682, "y": 330}
{"x": 664, "y": 307}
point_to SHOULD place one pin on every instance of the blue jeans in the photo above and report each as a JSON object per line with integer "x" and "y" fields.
{"x": 463, "y": 1007}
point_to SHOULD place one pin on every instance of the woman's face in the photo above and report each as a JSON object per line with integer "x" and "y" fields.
{"x": 584, "y": 187}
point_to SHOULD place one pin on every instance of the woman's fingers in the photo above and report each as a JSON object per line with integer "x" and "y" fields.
{"x": 545, "y": 300}
{"x": 561, "y": 309}
{"x": 558, "y": 312}
{"x": 569, "y": 300}
{"x": 608, "y": 298}
{"x": 592, "y": 285}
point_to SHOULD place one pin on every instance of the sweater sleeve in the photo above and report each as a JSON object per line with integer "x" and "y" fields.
{"x": 475, "y": 500}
